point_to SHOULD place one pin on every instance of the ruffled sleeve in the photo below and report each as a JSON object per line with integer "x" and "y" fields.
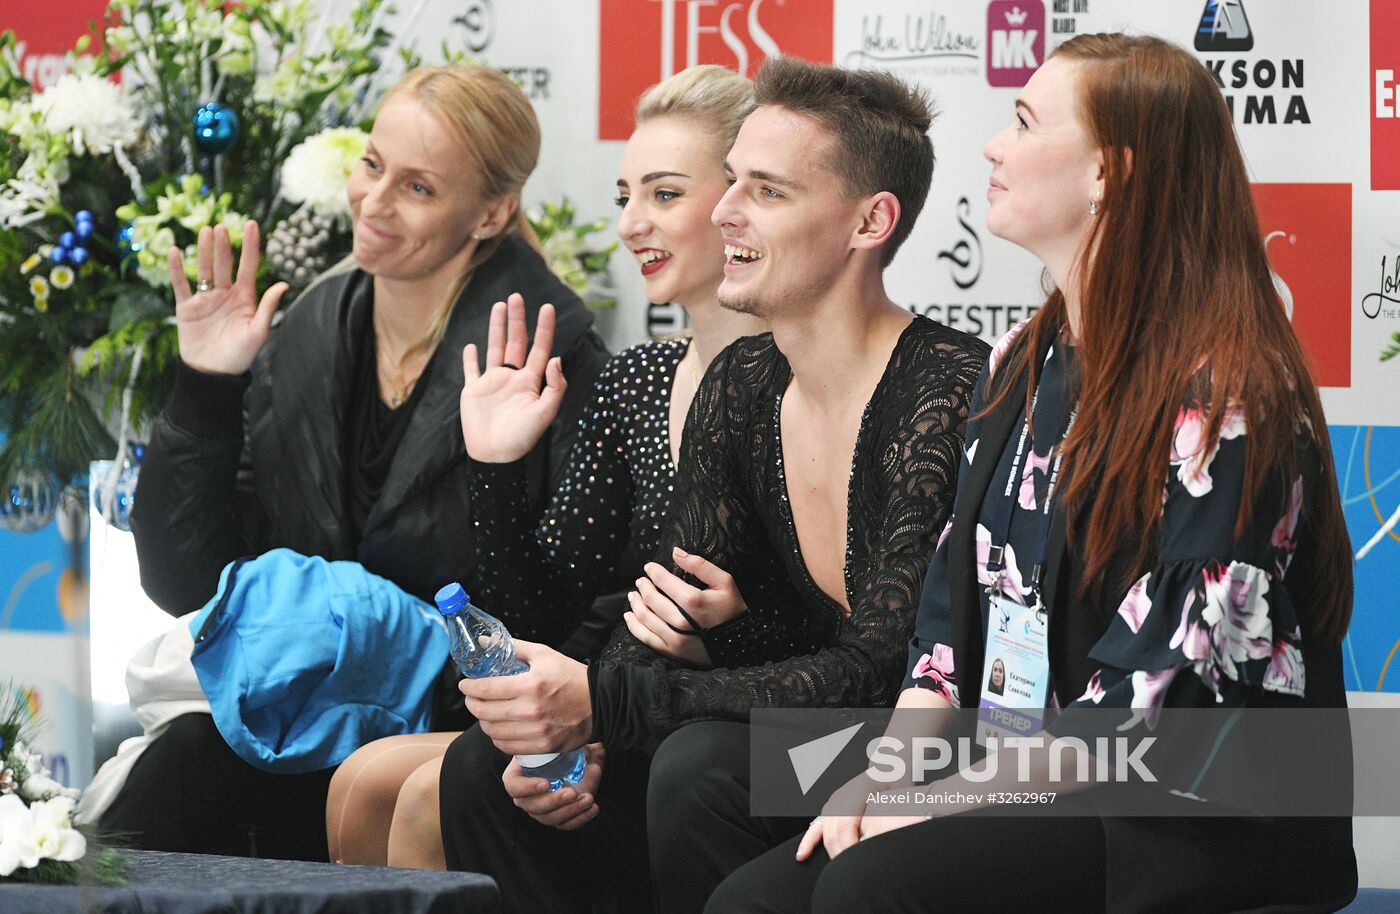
{"x": 1213, "y": 623}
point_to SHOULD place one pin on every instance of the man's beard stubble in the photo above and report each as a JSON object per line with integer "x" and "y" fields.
{"x": 742, "y": 305}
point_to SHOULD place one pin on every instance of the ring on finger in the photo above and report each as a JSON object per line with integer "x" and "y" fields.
{"x": 204, "y": 285}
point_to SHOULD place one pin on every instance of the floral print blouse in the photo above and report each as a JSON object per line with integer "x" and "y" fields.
{"x": 1214, "y": 607}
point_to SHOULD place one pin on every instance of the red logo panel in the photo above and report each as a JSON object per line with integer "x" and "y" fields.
{"x": 1385, "y": 95}
{"x": 46, "y": 31}
{"x": 641, "y": 42}
{"x": 1307, "y": 233}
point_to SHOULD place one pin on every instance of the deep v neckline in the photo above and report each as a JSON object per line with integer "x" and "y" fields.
{"x": 785, "y": 502}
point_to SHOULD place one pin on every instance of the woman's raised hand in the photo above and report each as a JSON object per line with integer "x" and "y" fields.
{"x": 223, "y": 324}
{"x": 507, "y": 407}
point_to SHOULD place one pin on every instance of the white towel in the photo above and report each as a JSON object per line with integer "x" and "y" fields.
{"x": 163, "y": 686}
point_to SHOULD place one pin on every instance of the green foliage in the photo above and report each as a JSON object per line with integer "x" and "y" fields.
{"x": 568, "y": 252}
{"x": 1392, "y": 349}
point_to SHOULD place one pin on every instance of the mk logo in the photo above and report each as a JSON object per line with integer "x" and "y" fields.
{"x": 1015, "y": 41}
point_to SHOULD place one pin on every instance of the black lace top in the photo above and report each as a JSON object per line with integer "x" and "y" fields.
{"x": 606, "y": 519}
{"x": 796, "y": 647}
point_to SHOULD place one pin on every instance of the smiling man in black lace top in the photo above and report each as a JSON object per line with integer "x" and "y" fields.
{"x": 820, "y": 464}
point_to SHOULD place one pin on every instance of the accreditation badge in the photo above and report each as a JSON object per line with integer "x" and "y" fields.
{"x": 1016, "y": 671}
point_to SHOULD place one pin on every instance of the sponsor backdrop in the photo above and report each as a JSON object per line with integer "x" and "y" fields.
{"x": 1313, "y": 91}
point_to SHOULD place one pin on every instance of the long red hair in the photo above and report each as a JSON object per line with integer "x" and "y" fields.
{"x": 1178, "y": 305}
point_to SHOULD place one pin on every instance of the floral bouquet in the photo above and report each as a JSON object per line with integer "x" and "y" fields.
{"x": 584, "y": 268}
{"x": 190, "y": 113}
{"x": 38, "y": 841}
{"x": 175, "y": 115}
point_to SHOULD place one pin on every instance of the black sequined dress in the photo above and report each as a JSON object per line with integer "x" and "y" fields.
{"x": 602, "y": 524}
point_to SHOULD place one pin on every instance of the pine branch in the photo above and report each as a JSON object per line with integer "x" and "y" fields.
{"x": 62, "y": 433}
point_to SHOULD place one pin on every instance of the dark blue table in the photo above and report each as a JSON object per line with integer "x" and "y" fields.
{"x": 163, "y": 883}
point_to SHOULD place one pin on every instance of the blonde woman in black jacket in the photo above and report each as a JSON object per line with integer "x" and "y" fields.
{"x": 336, "y": 433}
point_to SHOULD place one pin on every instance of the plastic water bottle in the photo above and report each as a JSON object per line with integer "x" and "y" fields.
{"x": 482, "y": 647}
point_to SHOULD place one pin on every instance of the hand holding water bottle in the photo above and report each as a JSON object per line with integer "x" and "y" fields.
{"x": 484, "y": 650}
{"x": 537, "y": 711}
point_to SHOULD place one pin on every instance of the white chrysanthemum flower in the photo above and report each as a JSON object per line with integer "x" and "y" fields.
{"x": 61, "y": 277}
{"x": 316, "y": 171}
{"x": 39, "y": 287}
{"x": 94, "y": 113}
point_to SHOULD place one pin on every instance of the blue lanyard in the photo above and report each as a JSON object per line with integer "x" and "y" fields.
{"x": 1006, "y": 504}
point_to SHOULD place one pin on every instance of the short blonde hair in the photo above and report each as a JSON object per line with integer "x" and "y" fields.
{"x": 710, "y": 92}
{"x": 500, "y": 142}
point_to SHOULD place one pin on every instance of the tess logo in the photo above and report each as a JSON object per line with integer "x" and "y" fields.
{"x": 1307, "y": 234}
{"x": 1385, "y": 101}
{"x": 641, "y": 42}
{"x": 1015, "y": 41}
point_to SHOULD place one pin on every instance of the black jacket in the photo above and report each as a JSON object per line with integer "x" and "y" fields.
{"x": 237, "y": 466}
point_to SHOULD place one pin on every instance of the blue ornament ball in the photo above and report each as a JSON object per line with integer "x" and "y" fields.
{"x": 28, "y": 502}
{"x": 114, "y": 498}
{"x": 83, "y": 215}
{"x": 58, "y": 256}
{"x": 67, "y": 240}
{"x": 215, "y": 128}
{"x": 83, "y": 230}
{"x": 78, "y": 256}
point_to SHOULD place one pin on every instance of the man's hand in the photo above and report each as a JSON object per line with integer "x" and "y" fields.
{"x": 569, "y": 807}
{"x": 545, "y": 709}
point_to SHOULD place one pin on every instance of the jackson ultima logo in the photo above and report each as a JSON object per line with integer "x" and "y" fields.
{"x": 1224, "y": 27}
{"x": 1307, "y": 234}
{"x": 642, "y": 42}
{"x": 1259, "y": 91}
{"x": 1385, "y": 100}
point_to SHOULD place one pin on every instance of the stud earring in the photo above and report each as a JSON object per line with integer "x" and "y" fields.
{"x": 1094, "y": 207}
{"x": 476, "y": 235}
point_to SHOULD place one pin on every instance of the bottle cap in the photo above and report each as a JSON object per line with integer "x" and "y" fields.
{"x": 451, "y": 599}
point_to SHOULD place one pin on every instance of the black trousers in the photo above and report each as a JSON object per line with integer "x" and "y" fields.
{"x": 190, "y": 792}
{"x": 969, "y": 862}
{"x": 668, "y": 830}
